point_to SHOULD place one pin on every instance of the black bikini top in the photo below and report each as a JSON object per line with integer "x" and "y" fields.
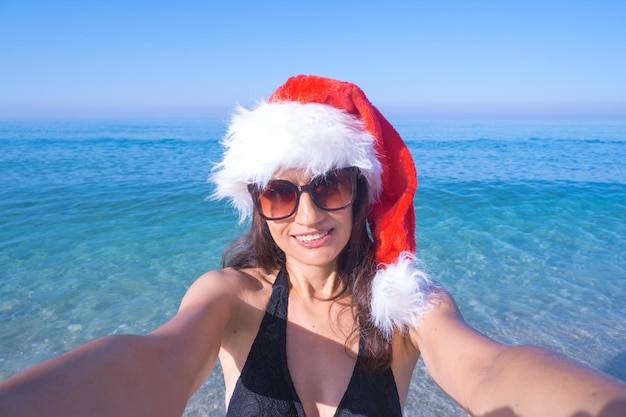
{"x": 265, "y": 387}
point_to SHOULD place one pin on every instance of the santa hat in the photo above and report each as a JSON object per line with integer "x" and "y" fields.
{"x": 317, "y": 124}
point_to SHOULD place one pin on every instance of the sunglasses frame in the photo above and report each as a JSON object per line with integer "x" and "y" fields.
{"x": 255, "y": 192}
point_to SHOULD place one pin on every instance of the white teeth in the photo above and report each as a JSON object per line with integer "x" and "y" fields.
{"x": 310, "y": 238}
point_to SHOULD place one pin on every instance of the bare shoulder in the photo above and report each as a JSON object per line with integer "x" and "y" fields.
{"x": 239, "y": 290}
{"x": 221, "y": 299}
{"x": 444, "y": 321}
{"x": 228, "y": 282}
{"x": 442, "y": 304}
{"x": 442, "y": 309}
{"x": 441, "y": 315}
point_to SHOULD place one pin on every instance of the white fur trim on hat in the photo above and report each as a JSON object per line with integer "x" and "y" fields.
{"x": 401, "y": 295}
{"x": 279, "y": 135}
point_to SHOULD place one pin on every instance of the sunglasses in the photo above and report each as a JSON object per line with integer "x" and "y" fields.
{"x": 278, "y": 200}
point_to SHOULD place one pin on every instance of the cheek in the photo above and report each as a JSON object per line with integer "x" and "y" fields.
{"x": 346, "y": 225}
{"x": 276, "y": 232}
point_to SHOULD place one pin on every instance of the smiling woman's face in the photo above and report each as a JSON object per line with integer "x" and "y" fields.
{"x": 311, "y": 236}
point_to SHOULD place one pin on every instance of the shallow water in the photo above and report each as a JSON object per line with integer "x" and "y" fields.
{"x": 105, "y": 223}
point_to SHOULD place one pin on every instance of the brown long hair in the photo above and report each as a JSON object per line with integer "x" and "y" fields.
{"x": 356, "y": 267}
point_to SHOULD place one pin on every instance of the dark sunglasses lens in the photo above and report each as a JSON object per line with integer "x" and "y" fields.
{"x": 333, "y": 191}
{"x": 277, "y": 200}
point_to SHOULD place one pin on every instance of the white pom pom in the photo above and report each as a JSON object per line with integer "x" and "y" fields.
{"x": 401, "y": 295}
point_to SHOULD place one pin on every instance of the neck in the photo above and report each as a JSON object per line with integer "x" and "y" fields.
{"x": 314, "y": 283}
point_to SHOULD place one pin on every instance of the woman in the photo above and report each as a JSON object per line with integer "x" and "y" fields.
{"x": 321, "y": 308}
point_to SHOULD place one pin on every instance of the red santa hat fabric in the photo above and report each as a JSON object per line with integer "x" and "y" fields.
{"x": 317, "y": 124}
{"x": 393, "y": 218}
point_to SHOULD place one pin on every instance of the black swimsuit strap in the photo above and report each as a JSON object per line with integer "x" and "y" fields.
{"x": 281, "y": 279}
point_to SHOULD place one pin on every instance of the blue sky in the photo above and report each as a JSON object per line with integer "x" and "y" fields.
{"x": 432, "y": 59}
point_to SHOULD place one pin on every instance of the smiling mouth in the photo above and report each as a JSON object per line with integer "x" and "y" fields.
{"x": 312, "y": 237}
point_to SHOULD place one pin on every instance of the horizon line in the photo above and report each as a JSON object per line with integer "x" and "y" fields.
{"x": 467, "y": 110}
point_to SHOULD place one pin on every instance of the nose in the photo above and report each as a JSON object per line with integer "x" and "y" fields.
{"x": 307, "y": 212}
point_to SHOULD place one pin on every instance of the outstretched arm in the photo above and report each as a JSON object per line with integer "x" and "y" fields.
{"x": 116, "y": 375}
{"x": 129, "y": 375}
{"x": 490, "y": 379}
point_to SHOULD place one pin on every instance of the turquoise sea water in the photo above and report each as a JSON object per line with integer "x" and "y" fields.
{"x": 105, "y": 223}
